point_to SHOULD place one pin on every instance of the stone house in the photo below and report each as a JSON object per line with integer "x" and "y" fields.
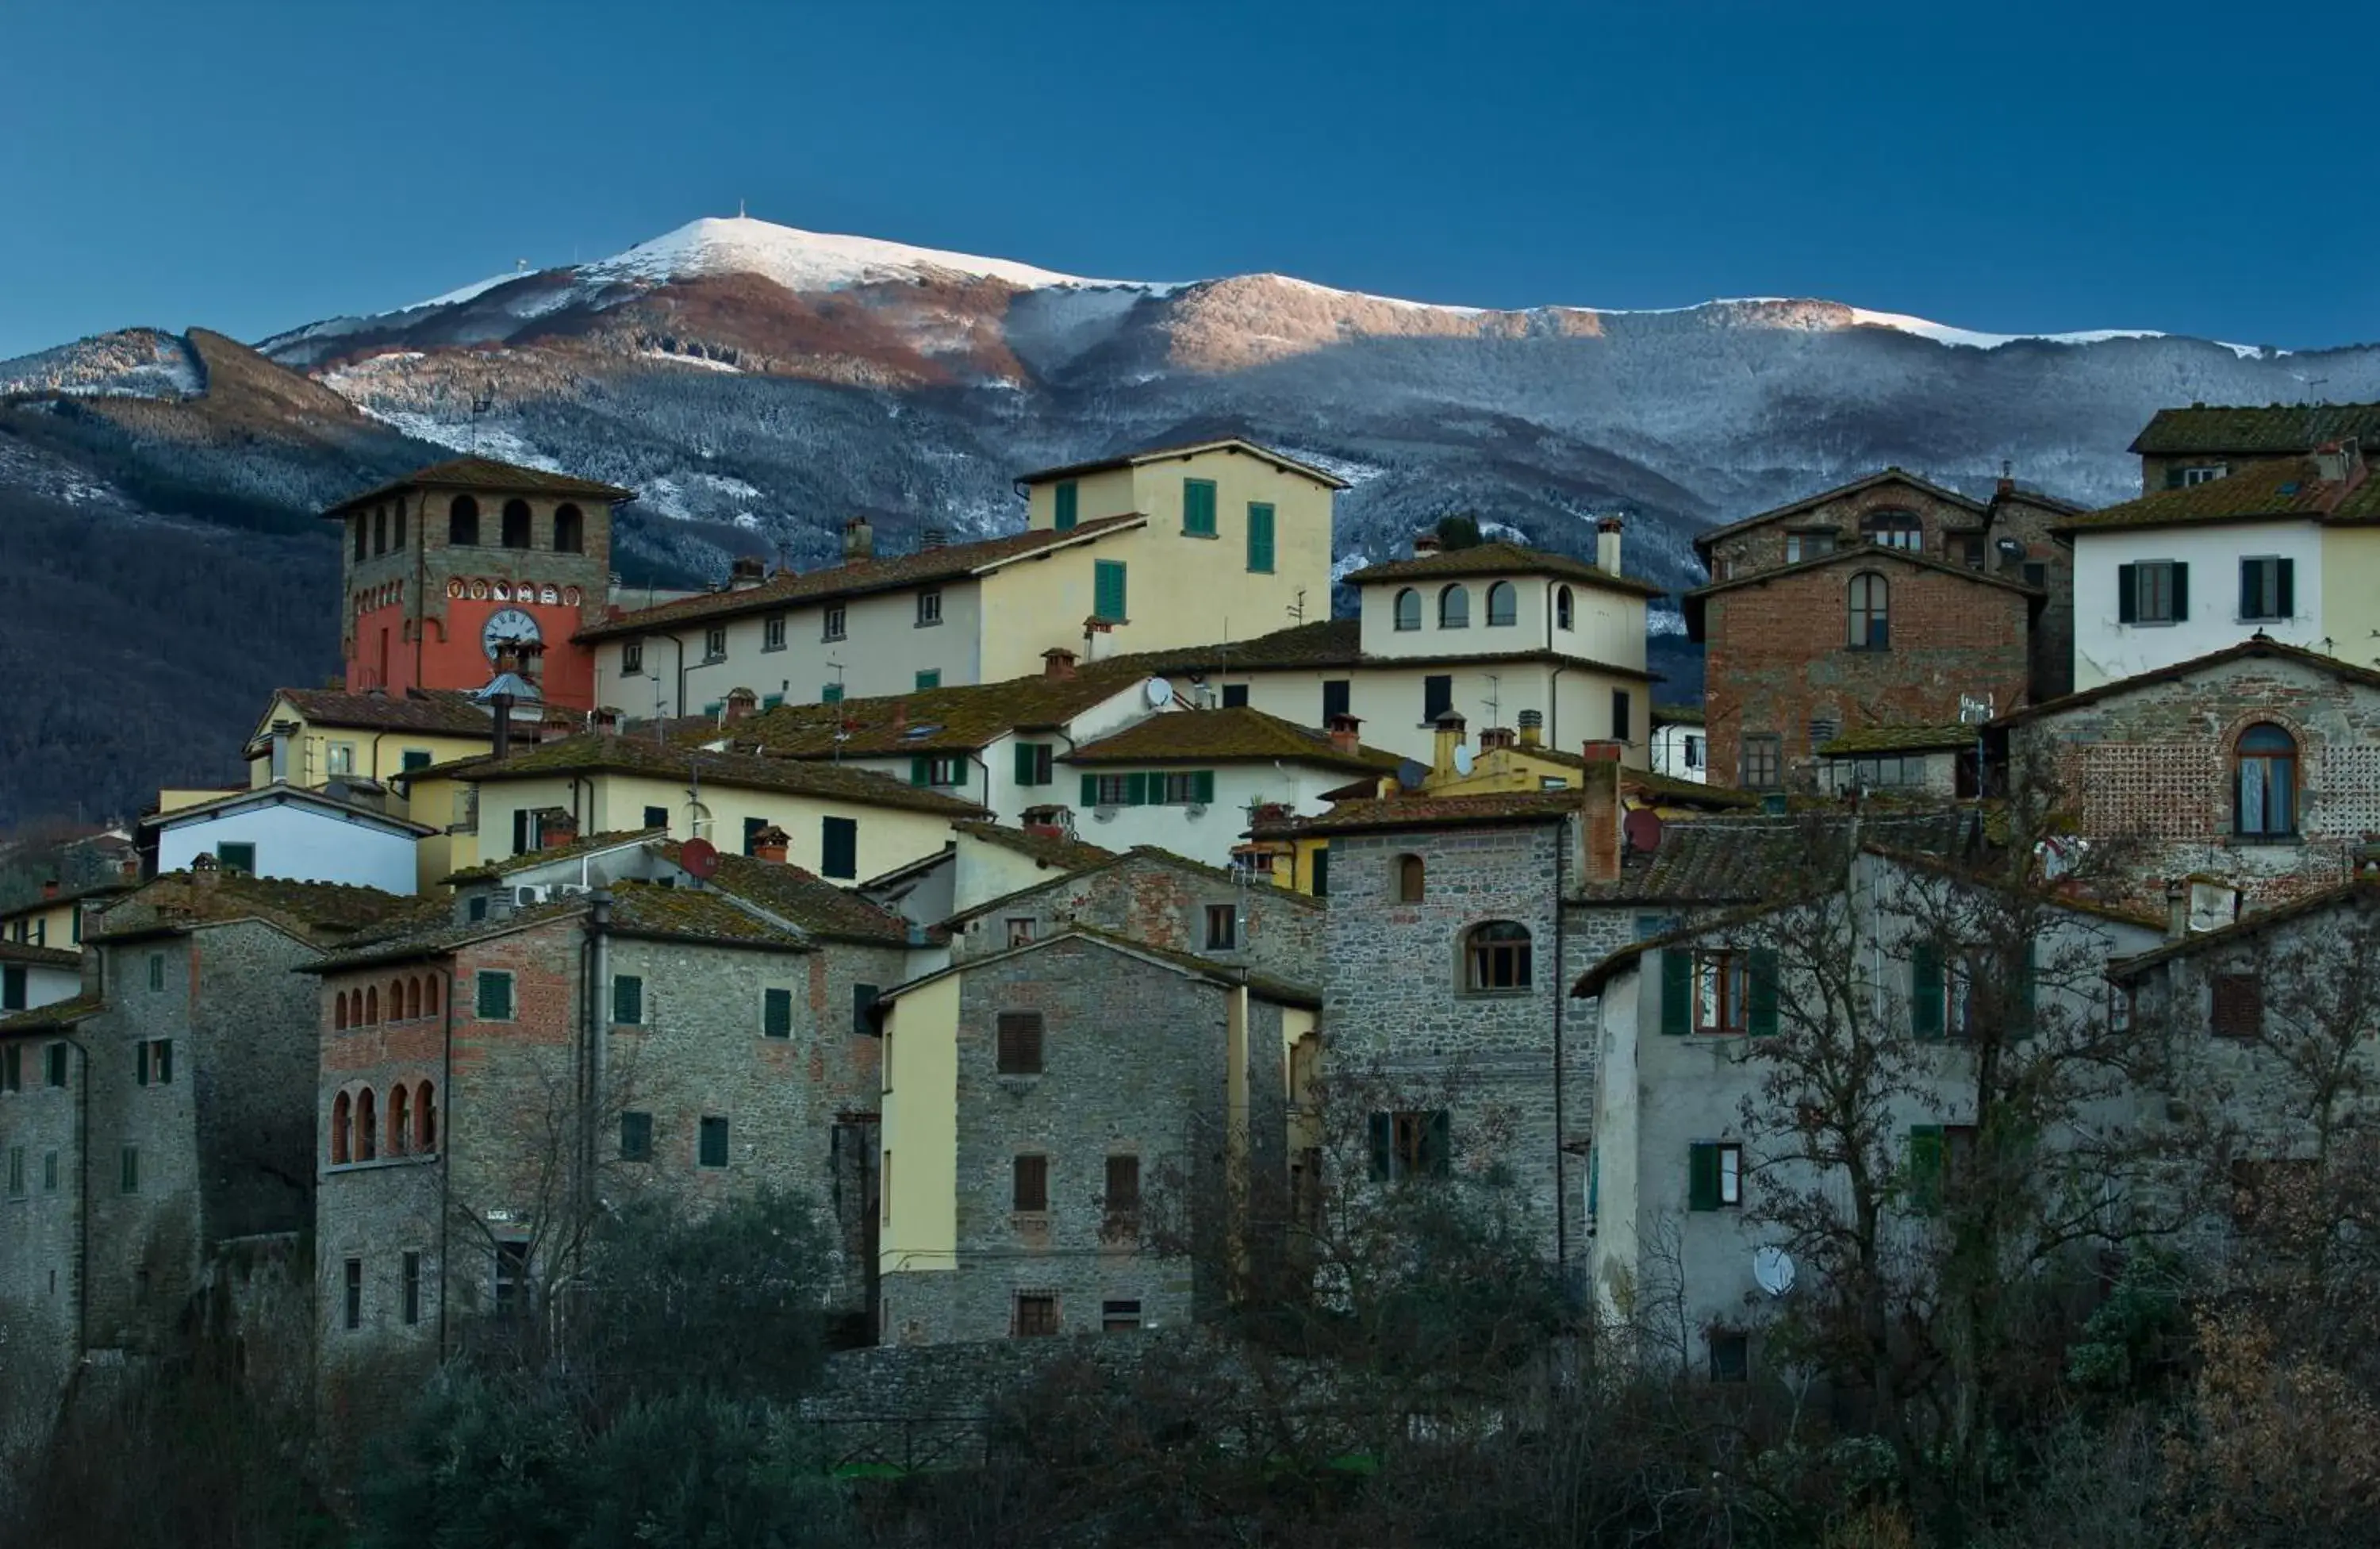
{"x": 982, "y": 861}
{"x": 2181, "y": 448}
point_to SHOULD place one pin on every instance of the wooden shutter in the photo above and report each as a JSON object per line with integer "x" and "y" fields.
{"x": 1260, "y": 536}
{"x": 2181, "y": 591}
{"x": 1925, "y": 991}
{"x": 1197, "y": 505}
{"x": 839, "y": 846}
{"x": 2286, "y": 587}
{"x": 1202, "y": 785}
{"x": 1031, "y": 1191}
{"x": 752, "y": 827}
{"x": 2127, "y": 608}
{"x": 1334, "y": 698}
{"x": 863, "y": 1001}
{"x": 2252, "y": 591}
{"x": 777, "y": 1013}
{"x": 495, "y": 997}
{"x": 1064, "y": 505}
{"x": 1090, "y": 790}
{"x": 1761, "y": 999}
{"x": 1136, "y": 790}
{"x": 1108, "y": 589}
{"x": 1019, "y": 1051}
{"x": 1926, "y": 1168}
{"x": 919, "y": 771}
{"x": 1024, "y": 764}
{"x": 2238, "y": 1006}
{"x": 1702, "y": 1176}
{"x": 1676, "y": 992}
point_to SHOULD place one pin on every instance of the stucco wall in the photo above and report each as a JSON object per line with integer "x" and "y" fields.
{"x": 2106, "y": 650}
{"x": 300, "y": 843}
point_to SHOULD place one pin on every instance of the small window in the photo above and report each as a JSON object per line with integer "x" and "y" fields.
{"x": 657, "y": 817}
{"x": 1199, "y": 507}
{"x": 569, "y": 530}
{"x": 13, "y": 991}
{"x": 1235, "y": 696}
{"x": 1496, "y": 957}
{"x": 627, "y": 999}
{"x": 1624, "y": 720}
{"x": 1454, "y": 608}
{"x": 2238, "y": 1006}
{"x": 517, "y": 524}
{"x": 1408, "y": 609}
{"x": 409, "y": 1288}
{"x": 773, "y": 632}
{"x": 1870, "y": 627}
{"x": 1694, "y": 751}
{"x": 776, "y": 1013}
{"x": 1036, "y": 1314}
{"x": 635, "y": 1137}
{"x": 463, "y": 520}
{"x": 2179, "y": 478}
{"x": 49, "y": 1172}
{"x": 2266, "y": 765}
{"x": 2268, "y": 589}
{"x": 240, "y": 857}
{"x": 1563, "y": 614}
{"x": 512, "y": 1277}
{"x": 1321, "y": 873}
{"x": 928, "y": 678}
{"x": 127, "y": 1176}
{"x": 1410, "y": 878}
{"x": 1119, "y": 1317}
{"x": 1503, "y": 606}
{"x": 16, "y": 1172}
{"x": 1731, "y": 1355}
{"x": 632, "y": 658}
{"x": 863, "y": 1006}
{"x": 1800, "y": 546}
{"x": 55, "y": 1061}
{"x": 1020, "y": 931}
{"x": 1714, "y": 1175}
{"x": 1030, "y": 1195}
{"x": 1722, "y": 991}
{"x": 1437, "y": 696}
{"x": 1111, "y": 790}
{"x": 340, "y": 759}
{"x": 1107, "y": 591}
{"x": 1064, "y": 502}
{"x": 832, "y": 628}
{"x": 714, "y": 643}
{"x": 152, "y": 1062}
{"x": 12, "y": 1068}
{"x": 839, "y": 847}
{"x": 929, "y": 606}
{"x": 413, "y": 759}
{"x": 1259, "y": 538}
{"x": 1893, "y": 530}
{"x": 1764, "y": 761}
{"x": 1120, "y": 1205}
{"x": 1336, "y": 694}
{"x": 1032, "y": 763}
{"x": 2153, "y": 591}
{"x": 1019, "y": 1052}
{"x": 495, "y": 1000}
{"x": 714, "y": 1151}
{"x": 353, "y": 1313}
{"x": 1222, "y": 927}
{"x": 1411, "y": 1144}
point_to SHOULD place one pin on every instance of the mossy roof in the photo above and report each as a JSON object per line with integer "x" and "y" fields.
{"x": 802, "y": 899}
{"x": 1897, "y": 739}
{"x": 2272, "y": 429}
{"x": 1500, "y": 559}
{"x": 49, "y": 1019}
{"x": 2289, "y": 487}
{"x": 30, "y": 956}
{"x": 1235, "y": 735}
{"x": 179, "y": 901}
{"x": 1392, "y": 813}
{"x": 487, "y": 473}
{"x": 1061, "y": 851}
{"x": 1143, "y": 854}
{"x": 958, "y": 719}
{"x": 435, "y": 711}
{"x": 532, "y": 860}
{"x": 596, "y": 753}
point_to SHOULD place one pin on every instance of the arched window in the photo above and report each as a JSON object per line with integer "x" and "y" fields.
{"x": 569, "y": 530}
{"x": 463, "y": 520}
{"x": 430, "y": 995}
{"x": 1409, "y": 609}
{"x": 413, "y": 997}
{"x": 396, "y": 1000}
{"x": 1409, "y": 879}
{"x": 1892, "y": 530}
{"x": 1503, "y": 606}
{"x": 339, "y": 1010}
{"x": 367, "y": 1127}
{"x": 379, "y": 530}
{"x": 1870, "y": 628}
{"x": 515, "y": 524}
{"x": 400, "y": 1120}
{"x": 371, "y": 1005}
{"x": 396, "y": 527}
{"x": 2267, "y": 761}
{"x": 425, "y": 1118}
{"x": 1561, "y": 608}
{"x": 1454, "y": 608}
{"x": 361, "y": 529}
{"x": 340, "y": 1121}
{"x": 1496, "y": 957}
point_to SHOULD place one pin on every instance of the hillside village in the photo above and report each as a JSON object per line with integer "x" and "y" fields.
{"x": 1082, "y": 920}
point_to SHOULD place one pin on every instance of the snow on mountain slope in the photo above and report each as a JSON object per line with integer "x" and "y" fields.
{"x": 805, "y": 261}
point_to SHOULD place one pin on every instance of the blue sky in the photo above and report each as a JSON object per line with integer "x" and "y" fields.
{"x": 2012, "y": 166}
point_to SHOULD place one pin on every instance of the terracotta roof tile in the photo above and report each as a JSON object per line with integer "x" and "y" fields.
{"x": 178, "y": 901}
{"x": 1500, "y": 559}
{"x": 1390, "y": 813}
{"x": 487, "y": 473}
{"x": 2274, "y": 429}
{"x": 961, "y": 719}
{"x": 1899, "y": 739}
{"x": 445, "y": 712}
{"x": 2255, "y": 647}
{"x": 1234, "y": 735}
{"x": 1703, "y": 539}
{"x": 649, "y": 909}
{"x": 598, "y": 753}
{"x": 2260, "y": 491}
{"x": 804, "y": 900}
{"x": 1178, "y": 449}
{"x": 1059, "y": 851}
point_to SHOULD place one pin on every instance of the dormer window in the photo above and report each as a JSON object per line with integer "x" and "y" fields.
{"x": 1893, "y": 530}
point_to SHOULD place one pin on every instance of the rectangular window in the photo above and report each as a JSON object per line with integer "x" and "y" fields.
{"x": 1199, "y": 507}
{"x": 1764, "y": 761}
{"x": 16, "y": 1171}
{"x": 1322, "y": 873}
{"x": 776, "y": 1013}
{"x": 929, "y": 606}
{"x": 1031, "y": 1191}
{"x": 413, "y": 759}
{"x": 512, "y": 1277}
{"x": 1714, "y": 1175}
{"x": 937, "y": 769}
{"x": 1622, "y": 721}
{"x": 752, "y": 827}
{"x": 635, "y": 1137}
{"x": 1182, "y": 789}
{"x": 1019, "y": 1052}
{"x": 353, "y": 1316}
{"x": 1036, "y": 1314}
{"x": 832, "y": 630}
{"x": 657, "y": 817}
{"x": 156, "y": 971}
{"x": 12, "y": 1068}
{"x": 2239, "y": 1006}
{"x": 1107, "y": 591}
{"x": 1694, "y": 751}
{"x": 1020, "y": 932}
{"x": 627, "y": 999}
{"x": 1120, "y": 1206}
{"x": 1109, "y": 790}
{"x": 1259, "y": 538}
{"x": 2153, "y": 591}
{"x": 713, "y": 1152}
{"x": 839, "y": 847}
{"x": 409, "y": 1286}
{"x": 831, "y": 693}
{"x": 714, "y": 643}
{"x": 1413, "y": 1144}
{"x": 1063, "y": 504}
{"x": 863, "y": 1006}
{"x": 1437, "y": 696}
{"x": 1335, "y": 698}
{"x": 494, "y": 1001}
{"x": 1222, "y": 927}
{"x": 1032, "y": 763}
{"x": 2268, "y": 589}
{"x": 127, "y": 1176}
{"x": 1722, "y": 991}
{"x": 341, "y": 759}
{"x": 773, "y": 632}
{"x": 928, "y": 678}
{"x": 1800, "y": 546}
{"x": 1119, "y": 1317}
{"x": 632, "y": 658}
{"x": 2178, "y": 477}
{"x": 13, "y": 993}
{"x": 236, "y": 858}
{"x": 1731, "y": 1355}
{"x": 154, "y": 1062}
{"x": 57, "y": 1060}
{"x": 1235, "y": 696}
{"x": 49, "y": 1172}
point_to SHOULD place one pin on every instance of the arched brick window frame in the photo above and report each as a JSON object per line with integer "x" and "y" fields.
{"x": 2265, "y": 781}
{"x": 396, "y": 1000}
{"x": 339, "y": 1010}
{"x": 413, "y": 997}
{"x": 400, "y": 1120}
{"x": 341, "y": 1125}
{"x": 425, "y": 1118}
{"x": 463, "y": 520}
{"x": 569, "y": 530}
{"x": 1869, "y": 597}
{"x": 516, "y": 534}
{"x": 371, "y": 1005}
{"x": 367, "y": 1127}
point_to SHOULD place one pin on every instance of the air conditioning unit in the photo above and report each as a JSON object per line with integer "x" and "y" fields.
{"x": 525, "y": 897}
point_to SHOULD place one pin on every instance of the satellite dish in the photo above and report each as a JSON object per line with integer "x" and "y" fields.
{"x": 700, "y": 858}
{"x": 1772, "y": 1269}
{"x": 1411, "y": 772}
{"x": 1464, "y": 760}
{"x": 1160, "y": 693}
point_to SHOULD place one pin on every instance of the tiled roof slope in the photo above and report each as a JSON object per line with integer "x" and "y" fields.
{"x": 2254, "y": 646}
{"x": 648, "y": 909}
{"x": 26, "y": 953}
{"x": 958, "y": 719}
{"x": 1060, "y": 851}
{"x": 57, "y": 1014}
{"x": 1897, "y": 739}
{"x": 2260, "y": 491}
{"x": 313, "y": 909}
{"x": 1330, "y": 642}
{"x": 1237, "y": 734}
{"x": 1182, "y": 449}
{"x": 1743, "y": 859}
{"x": 596, "y": 753}
{"x": 1387, "y": 814}
{"x": 1147, "y": 855}
{"x": 951, "y": 561}
{"x": 1703, "y": 539}
{"x": 2273, "y": 429}
{"x": 1500, "y": 559}
{"x": 487, "y": 473}
{"x": 803, "y": 899}
{"x": 442, "y": 710}
{"x": 531, "y": 859}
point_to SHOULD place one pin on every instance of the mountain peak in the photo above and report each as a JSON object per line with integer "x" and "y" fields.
{"x": 806, "y": 260}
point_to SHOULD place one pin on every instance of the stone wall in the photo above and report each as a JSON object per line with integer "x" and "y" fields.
{"x": 1161, "y": 899}
{"x": 40, "y": 1228}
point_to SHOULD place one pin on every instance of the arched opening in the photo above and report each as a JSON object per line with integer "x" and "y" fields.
{"x": 425, "y": 1118}
{"x": 400, "y": 1120}
{"x": 1871, "y": 627}
{"x": 1409, "y": 609}
{"x": 339, "y": 1010}
{"x": 396, "y": 1000}
{"x": 367, "y": 1127}
{"x": 430, "y": 996}
{"x": 1496, "y": 957}
{"x": 2265, "y": 761}
{"x": 397, "y": 525}
{"x": 1892, "y": 530}
{"x": 1454, "y": 608}
{"x": 413, "y": 997}
{"x": 463, "y": 520}
{"x": 1503, "y": 606}
{"x": 1561, "y": 608}
{"x": 341, "y": 1119}
{"x": 1409, "y": 879}
{"x": 371, "y": 1005}
{"x": 516, "y": 534}
{"x": 569, "y": 530}
{"x": 379, "y": 530}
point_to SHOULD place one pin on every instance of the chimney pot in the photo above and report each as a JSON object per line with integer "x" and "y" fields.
{"x": 931, "y": 538}
{"x": 50, "y": 888}
{"x": 556, "y": 830}
{"x": 1601, "y": 814}
{"x": 858, "y": 540}
{"x": 770, "y": 844}
{"x": 1533, "y": 727}
{"x": 1058, "y": 662}
{"x": 1345, "y": 733}
{"x": 741, "y": 704}
{"x": 1601, "y": 751}
{"x": 1426, "y": 544}
{"x": 205, "y": 870}
{"x": 2007, "y": 487}
{"x": 744, "y": 572}
{"x": 1607, "y": 545}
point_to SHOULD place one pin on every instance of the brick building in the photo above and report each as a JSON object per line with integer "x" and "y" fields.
{"x": 1888, "y": 601}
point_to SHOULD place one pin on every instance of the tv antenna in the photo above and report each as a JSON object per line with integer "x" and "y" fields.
{"x": 1296, "y": 610}
{"x": 1495, "y": 701}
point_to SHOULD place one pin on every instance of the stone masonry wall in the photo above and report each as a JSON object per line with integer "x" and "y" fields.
{"x": 39, "y": 1225}
{"x": 1162, "y": 901}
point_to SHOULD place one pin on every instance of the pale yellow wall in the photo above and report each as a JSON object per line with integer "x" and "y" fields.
{"x": 50, "y": 924}
{"x": 444, "y": 806}
{"x": 172, "y": 800}
{"x": 2351, "y": 592}
{"x": 1097, "y": 494}
{"x": 375, "y": 755}
{"x": 1575, "y": 701}
{"x": 920, "y": 1131}
{"x": 1606, "y": 626}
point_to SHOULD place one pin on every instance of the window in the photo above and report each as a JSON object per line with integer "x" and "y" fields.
{"x": 1019, "y": 1038}
{"x": 494, "y": 1003}
{"x": 342, "y": 1130}
{"x": 1064, "y": 503}
{"x": 831, "y": 693}
{"x": 1259, "y": 538}
{"x": 714, "y": 643}
{"x": 236, "y": 858}
{"x": 397, "y": 524}
{"x": 1336, "y": 693}
{"x": 635, "y": 1137}
{"x": 834, "y": 627}
{"x": 1800, "y": 546}
{"x": 937, "y": 769}
{"x": 929, "y": 606}
{"x": 2238, "y": 1006}
{"x": 839, "y": 847}
{"x": 2268, "y": 589}
{"x": 657, "y": 817}
{"x": 512, "y": 1277}
{"x": 632, "y": 658}
{"x": 1731, "y": 1355}
{"x": 1409, "y": 879}
{"x": 1119, "y": 1317}
{"x": 1503, "y": 606}
{"x": 1030, "y": 1194}
{"x": 358, "y": 549}
{"x": 2178, "y": 478}
{"x": 1036, "y": 1314}
{"x": 863, "y": 1003}
{"x": 1408, "y": 609}
{"x": 1764, "y": 759}
{"x": 773, "y": 632}
{"x": 1939, "y": 1155}
{"x": 1892, "y": 530}
{"x": 353, "y": 1316}
{"x": 2153, "y": 591}
{"x": 425, "y": 1118}
{"x": 713, "y": 1144}
{"x": 152, "y": 1062}
{"x": 1120, "y": 1205}
{"x": 1714, "y": 1175}
{"x": 156, "y": 971}
{"x": 627, "y": 999}
{"x": 400, "y": 1120}
{"x": 1032, "y": 763}
{"x": 569, "y": 530}
{"x": 1111, "y": 790}
{"x": 16, "y": 1171}
{"x": 1415, "y": 1144}
{"x": 409, "y": 1288}
{"x": 1107, "y": 591}
{"x": 340, "y": 759}
{"x": 776, "y": 1013}
{"x": 128, "y": 1177}
{"x": 1622, "y": 722}
{"x": 49, "y": 1172}
{"x": 928, "y": 678}
{"x": 55, "y": 1060}
{"x": 1496, "y": 957}
{"x": 1199, "y": 507}
{"x": 13, "y": 993}
{"x": 1181, "y": 787}
{"x": 515, "y": 524}
{"x": 1437, "y": 696}
{"x": 1870, "y": 626}
{"x": 1694, "y": 751}
{"x": 753, "y": 828}
{"x": 367, "y": 1127}
{"x": 1235, "y": 696}
{"x": 1454, "y": 608}
{"x": 1222, "y": 927}
{"x": 1322, "y": 873}
{"x": 413, "y": 759}
{"x": 1561, "y": 608}
{"x": 379, "y": 530}
{"x": 2267, "y": 758}
{"x": 1020, "y": 931}
{"x": 1822, "y": 730}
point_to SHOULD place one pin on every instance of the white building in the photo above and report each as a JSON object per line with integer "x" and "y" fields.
{"x": 32, "y": 976}
{"x": 291, "y": 832}
{"x": 1680, "y": 747}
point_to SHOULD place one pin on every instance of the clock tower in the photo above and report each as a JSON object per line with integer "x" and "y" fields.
{"x": 447, "y": 565}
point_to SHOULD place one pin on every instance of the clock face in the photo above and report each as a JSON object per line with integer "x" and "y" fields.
{"x": 507, "y": 626}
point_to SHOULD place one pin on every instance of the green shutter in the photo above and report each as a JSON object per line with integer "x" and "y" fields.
{"x": 2288, "y": 589}
{"x": 140, "y": 1065}
{"x": 1136, "y": 790}
{"x": 771, "y": 702}
{"x": 1702, "y": 1176}
{"x": 831, "y": 693}
{"x": 1926, "y": 1168}
{"x": 1925, "y": 991}
{"x": 930, "y": 677}
{"x": 1107, "y": 590}
{"x": 1323, "y": 873}
{"x": 1259, "y": 537}
{"x": 627, "y": 999}
{"x": 1381, "y": 1154}
{"x": 1198, "y": 507}
{"x": 495, "y": 997}
{"x": 1024, "y": 765}
{"x": 919, "y": 770}
{"x": 1676, "y": 992}
{"x": 1762, "y": 1000}
{"x": 2027, "y": 995}
{"x": 1202, "y": 785}
{"x": 1090, "y": 790}
{"x": 2128, "y": 609}
{"x": 1064, "y": 505}
{"x": 2181, "y": 593}
{"x": 777, "y": 1013}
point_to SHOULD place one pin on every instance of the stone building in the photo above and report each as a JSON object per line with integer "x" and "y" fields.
{"x": 2181, "y": 448}
{"x": 1888, "y": 601}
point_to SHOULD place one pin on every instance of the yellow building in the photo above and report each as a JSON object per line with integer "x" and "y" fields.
{"x": 55, "y": 919}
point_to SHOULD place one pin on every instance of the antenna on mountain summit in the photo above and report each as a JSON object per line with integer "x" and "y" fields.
{"x": 739, "y": 210}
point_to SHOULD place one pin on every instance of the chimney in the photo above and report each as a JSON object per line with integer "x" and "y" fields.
{"x": 1058, "y": 662}
{"x": 2005, "y": 488}
{"x": 556, "y": 829}
{"x": 858, "y": 540}
{"x": 501, "y": 705}
{"x": 50, "y": 888}
{"x": 1607, "y": 545}
{"x": 1449, "y": 736}
{"x": 900, "y": 715}
{"x": 607, "y": 721}
{"x": 1601, "y": 813}
{"x": 741, "y": 704}
{"x": 2177, "y": 910}
{"x": 205, "y": 870}
{"x": 1496, "y": 737}
{"x": 1533, "y": 728}
{"x": 745, "y": 572}
{"x": 930, "y": 538}
{"x": 1344, "y": 730}
{"x": 770, "y": 844}
{"x": 1597, "y": 751}
{"x": 2338, "y": 462}
{"x": 1426, "y": 544}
